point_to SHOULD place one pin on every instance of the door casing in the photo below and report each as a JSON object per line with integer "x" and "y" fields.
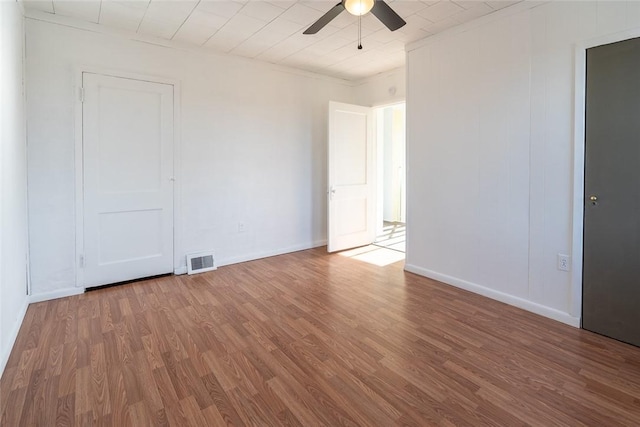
{"x": 179, "y": 264}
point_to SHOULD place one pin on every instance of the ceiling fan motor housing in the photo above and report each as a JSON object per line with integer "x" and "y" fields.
{"x": 378, "y": 8}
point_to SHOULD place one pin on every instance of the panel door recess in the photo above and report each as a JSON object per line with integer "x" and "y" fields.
{"x": 127, "y": 136}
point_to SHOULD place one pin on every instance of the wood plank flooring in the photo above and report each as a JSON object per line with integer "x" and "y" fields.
{"x": 309, "y": 339}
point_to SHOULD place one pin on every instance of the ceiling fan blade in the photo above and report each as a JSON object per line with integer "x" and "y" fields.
{"x": 387, "y": 16}
{"x": 325, "y": 19}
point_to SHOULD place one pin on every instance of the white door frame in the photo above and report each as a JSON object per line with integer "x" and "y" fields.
{"x": 580, "y": 60}
{"x": 378, "y": 147}
{"x": 179, "y": 265}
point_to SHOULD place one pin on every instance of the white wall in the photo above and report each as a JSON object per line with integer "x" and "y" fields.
{"x": 13, "y": 187}
{"x": 490, "y": 151}
{"x": 387, "y": 178}
{"x": 252, "y": 148}
{"x": 384, "y": 88}
{"x": 393, "y": 161}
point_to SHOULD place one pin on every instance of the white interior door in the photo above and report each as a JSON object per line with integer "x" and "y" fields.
{"x": 127, "y": 137}
{"x": 351, "y": 177}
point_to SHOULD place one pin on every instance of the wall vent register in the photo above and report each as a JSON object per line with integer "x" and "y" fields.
{"x": 201, "y": 262}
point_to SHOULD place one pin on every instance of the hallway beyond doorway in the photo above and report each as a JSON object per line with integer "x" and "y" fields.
{"x": 393, "y": 236}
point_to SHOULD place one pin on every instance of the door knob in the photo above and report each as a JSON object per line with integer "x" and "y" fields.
{"x": 593, "y": 200}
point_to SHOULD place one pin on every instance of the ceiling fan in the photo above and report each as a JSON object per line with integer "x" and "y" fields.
{"x": 379, "y": 8}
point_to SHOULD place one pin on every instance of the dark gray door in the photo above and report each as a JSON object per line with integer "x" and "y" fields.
{"x": 611, "y": 274}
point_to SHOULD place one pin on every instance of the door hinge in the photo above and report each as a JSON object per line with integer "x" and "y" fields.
{"x": 81, "y": 94}
{"x": 81, "y": 261}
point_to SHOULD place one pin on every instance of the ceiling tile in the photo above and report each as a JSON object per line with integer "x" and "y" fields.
{"x": 370, "y": 22}
{"x": 330, "y": 30}
{"x": 42, "y": 5}
{"x": 382, "y": 36}
{"x": 344, "y": 20}
{"x": 301, "y": 14}
{"x": 468, "y": 4}
{"x": 199, "y": 27}
{"x": 414, "y": 22}
{"x": 243, "y": 25}
{"x": 341, "y": 54}
{"x": 440, "y": 11}
{"x": 480, "y": 9}
{"x": 407, "y": 8}
{"x": 267, "y": 35}
{"x": 226, "y": 9}
{"x": 284, "y": 26}
{"x": 251, "y": 49}
{"x": 123, "y": 14}
{"x": 88, "y": 10}
{"x": 413, "y": 35}
{"x": 164, "y": 18}
{"x": 283, "y": 4}
{"x": 501, "y": 4}
{"x": 321, "y": 5}
{"x": 224, "y": 41}
{"x": 287, "y": 47}
{"x": 394, "y": 46}
{"x": 328, "y": 44}
{"x": 442, "y": 25}
{"x": 261, "y": 10}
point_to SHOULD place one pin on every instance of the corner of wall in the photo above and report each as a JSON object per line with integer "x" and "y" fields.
{"x": 6, "y": 352}
{"x": 13, "y": 224}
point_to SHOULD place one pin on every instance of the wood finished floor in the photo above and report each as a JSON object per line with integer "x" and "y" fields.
{"x": 309, "y": 339}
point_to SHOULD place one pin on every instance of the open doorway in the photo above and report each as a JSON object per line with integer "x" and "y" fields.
{"x": 366, "y": 195}
{"x": 391, "y": 177}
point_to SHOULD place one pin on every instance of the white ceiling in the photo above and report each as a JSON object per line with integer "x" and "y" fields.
{"x": 271, "y": 31}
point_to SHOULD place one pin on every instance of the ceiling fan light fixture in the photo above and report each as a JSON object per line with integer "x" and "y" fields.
{"x": 358, "y": 7}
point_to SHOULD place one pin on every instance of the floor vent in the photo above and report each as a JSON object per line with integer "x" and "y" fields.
{"x": 201, "y": 262}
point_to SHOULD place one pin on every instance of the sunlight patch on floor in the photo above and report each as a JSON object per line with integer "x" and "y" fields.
{"x": 374, "y": 255}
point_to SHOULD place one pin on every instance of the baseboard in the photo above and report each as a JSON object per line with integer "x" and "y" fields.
{"x": 12, "y": 337}
{"x": 61, "y": 293}
{"x": 522, "y": 303}
{"x": 259, "y": 255}
{"x": 180, "y": 270}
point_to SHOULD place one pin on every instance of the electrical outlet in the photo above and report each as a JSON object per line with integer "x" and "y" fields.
{"x": 241, "y": 227}
{"x": 564, "y": 262}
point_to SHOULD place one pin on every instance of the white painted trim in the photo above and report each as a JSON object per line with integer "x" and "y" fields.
{"x": 78, "y": 165}
{"x": 180, "y": 271}
{"x": 580, "y": 59}
{"x": 38, "y": 15}
{"x": 515, "y": 301}
{"x": 392, "y": 103}
{"x": 575, "y": 302}
{"x": 60, "y": 293}
{"x": 266, "y": 254}
{"x": 124, "y": 74}
{"x": 4, "y": 358}
{"x": 26, "y": 151}
{"x": 483, "y": 20}
{"x": 178, "y": 261}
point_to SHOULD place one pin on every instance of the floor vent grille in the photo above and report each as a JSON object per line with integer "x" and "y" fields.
{"x": 201, "y": 262}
